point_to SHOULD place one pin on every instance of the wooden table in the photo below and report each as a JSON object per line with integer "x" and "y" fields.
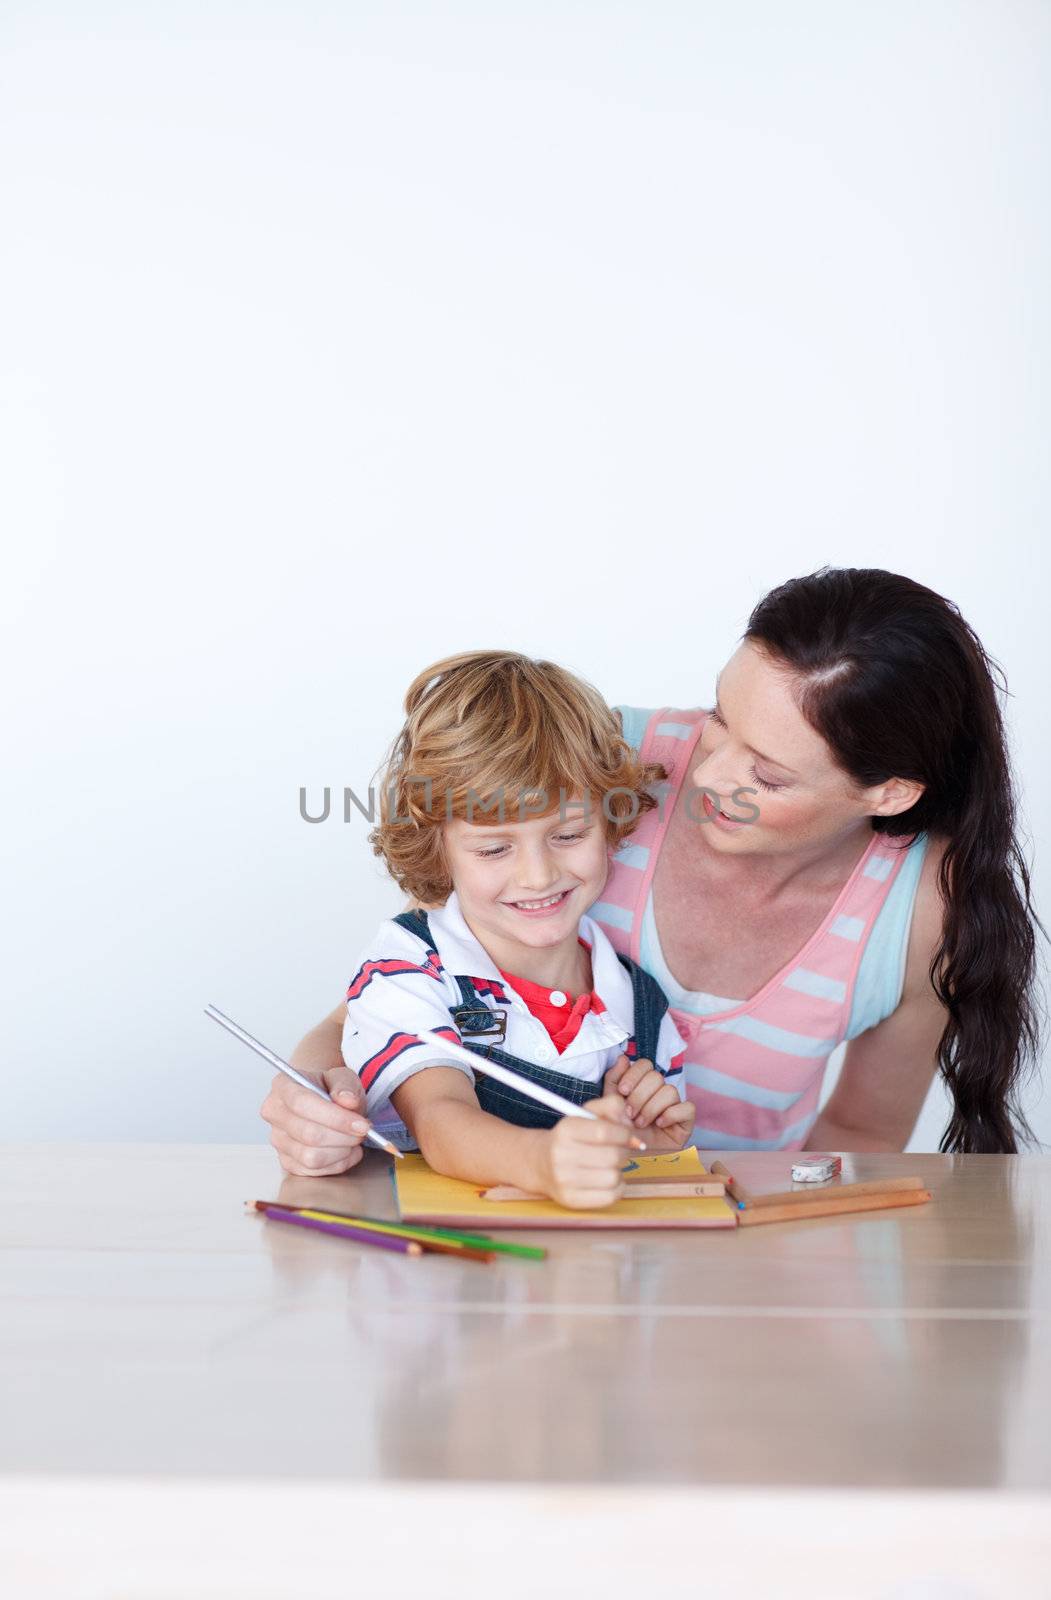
{"x": 198, "y": 1402}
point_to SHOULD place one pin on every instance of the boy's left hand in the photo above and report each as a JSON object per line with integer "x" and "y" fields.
{"x": 652, "y": 1104}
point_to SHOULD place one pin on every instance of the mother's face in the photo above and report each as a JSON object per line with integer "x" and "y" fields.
{"x": 758, "y": 739}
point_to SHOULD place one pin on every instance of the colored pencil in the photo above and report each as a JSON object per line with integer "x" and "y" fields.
{"x": 421, "y": 1230}
{"x": 289, "y": 1071}
{"x": 482, "y": 1251}
{"x": 449, "y": 1247}
{"x": 646, "y": 1189}
{"x": 531, "y": 1252}
{"x": 805, "y": 1196}
{"x": 715, "y": 1182}
{"x": 674, "y": 1189}
{"x": 513, "y": 1080}
{"x": 742, "y": 1195}
{"x": 831, "y": 1207}
{"x": 454, "y": 1247}
{"x": 426, "y": 1234}
{"x": 405, "y": 1247}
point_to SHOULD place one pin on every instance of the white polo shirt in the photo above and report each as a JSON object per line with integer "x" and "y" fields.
{"x": 399, "y": 987}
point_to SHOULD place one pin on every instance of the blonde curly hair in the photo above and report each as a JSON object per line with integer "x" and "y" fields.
{"x": 486, "y": 724}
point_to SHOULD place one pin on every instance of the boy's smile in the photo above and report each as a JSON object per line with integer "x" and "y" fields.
{"x": 541, "y": 908}
{"x": 523, "y": 887}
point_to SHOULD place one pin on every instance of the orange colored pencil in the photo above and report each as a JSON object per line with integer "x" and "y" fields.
{"x": 737, "y": 1190}
{"x": 442, "y": 1247}
{"x": 831, "y": 1207}
{"x": 828, "y": 1191}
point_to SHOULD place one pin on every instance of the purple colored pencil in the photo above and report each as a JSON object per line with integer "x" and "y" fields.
{"x": 382, "y": 1241}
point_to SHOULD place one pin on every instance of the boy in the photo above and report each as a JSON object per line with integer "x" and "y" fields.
{"x": 507, "y": 790}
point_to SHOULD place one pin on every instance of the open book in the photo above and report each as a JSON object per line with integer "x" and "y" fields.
{"x": 425, "y": 1196}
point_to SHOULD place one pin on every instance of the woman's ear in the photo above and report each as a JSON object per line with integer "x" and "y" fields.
{"x": 895, "y": 796}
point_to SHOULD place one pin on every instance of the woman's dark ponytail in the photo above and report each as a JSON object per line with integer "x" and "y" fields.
{"x": 899, "y": 685}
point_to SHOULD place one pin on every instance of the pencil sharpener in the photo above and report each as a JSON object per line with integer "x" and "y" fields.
{"x": 816, "y": 1169}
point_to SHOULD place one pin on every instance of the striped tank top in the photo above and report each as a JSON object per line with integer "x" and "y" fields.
{"x": 754, "y": 1068}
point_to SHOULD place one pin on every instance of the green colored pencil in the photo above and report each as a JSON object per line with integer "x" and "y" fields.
{"x": 412, "y": 1230}
{"x": 423, "y": 1230}
{"x": 533, "y": 1252}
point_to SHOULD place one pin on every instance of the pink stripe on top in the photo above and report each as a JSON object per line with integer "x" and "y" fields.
{"x": 754, "y": 1070}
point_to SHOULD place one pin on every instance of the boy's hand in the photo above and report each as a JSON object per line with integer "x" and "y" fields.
{"x": 582, "y": 1161}
{"x": 653, "y": 1104}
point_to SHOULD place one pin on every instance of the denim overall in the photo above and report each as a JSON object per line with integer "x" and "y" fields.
{"x": 473, "y": 1016}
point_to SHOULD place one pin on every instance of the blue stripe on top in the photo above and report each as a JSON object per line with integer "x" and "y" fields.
{"x": 614, "y": 916}
{"x": 633, "y": 855}
{"x": 817, "y": 985}
{"x": 735, "y": 1089}
{"x": 771, "y": 1037}
{"x": 633, "y": 722}
{"x": 881, "y": 974}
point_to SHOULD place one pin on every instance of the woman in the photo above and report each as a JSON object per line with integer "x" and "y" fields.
{"x": 837, "y": 848}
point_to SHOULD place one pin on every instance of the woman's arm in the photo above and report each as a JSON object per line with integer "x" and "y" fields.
{"x": 319, "y": 1050}
{"x": 888, "y": 1070}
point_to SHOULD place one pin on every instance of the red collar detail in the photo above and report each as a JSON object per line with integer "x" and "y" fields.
{"x": 562, "y": 1023}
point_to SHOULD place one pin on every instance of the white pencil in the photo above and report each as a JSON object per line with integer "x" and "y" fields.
{"x": 513, "y": 1080}
{"x": 290, "y": 1072}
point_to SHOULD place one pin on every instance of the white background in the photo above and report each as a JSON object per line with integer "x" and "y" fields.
{"x": 337, "y": 337}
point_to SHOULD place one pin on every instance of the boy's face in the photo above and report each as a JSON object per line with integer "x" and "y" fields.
{"x": 527, "y": 883}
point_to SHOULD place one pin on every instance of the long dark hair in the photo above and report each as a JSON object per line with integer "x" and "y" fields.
{"x": 899, "y": 686}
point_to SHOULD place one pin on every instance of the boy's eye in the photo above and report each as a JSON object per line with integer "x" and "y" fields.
{"x": 560, "y": 838}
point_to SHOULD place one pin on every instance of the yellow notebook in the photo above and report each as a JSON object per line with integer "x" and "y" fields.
{"x": 425, "y": 1196}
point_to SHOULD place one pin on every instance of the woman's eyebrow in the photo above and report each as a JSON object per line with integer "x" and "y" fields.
{"x": 771, "y": 760}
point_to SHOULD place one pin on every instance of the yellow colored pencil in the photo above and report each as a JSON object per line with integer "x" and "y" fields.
{"x": 386, "y": 1230}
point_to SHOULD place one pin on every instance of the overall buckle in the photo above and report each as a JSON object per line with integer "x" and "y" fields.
{"x": 478, "y": 1022}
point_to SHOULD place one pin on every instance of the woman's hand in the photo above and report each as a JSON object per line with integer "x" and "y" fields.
{"x": 653, "y": 1104}
{"x": 582, "y": 1161}
{"x": 315, "y": 1138}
